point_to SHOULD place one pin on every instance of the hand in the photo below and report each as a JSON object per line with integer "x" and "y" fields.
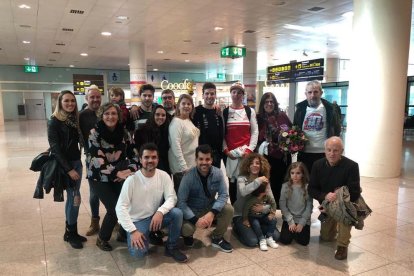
{"x": 156, "y": 222}
{"x": 201, "y": 223}
{"x": 133, "y": 112}
{"x": 229, "y": 155}
{"x": 246, "y": 223}
{"x": 299, "y": 228}
{"x": 271, "y": 216}
{"x": 209, "y": 217}
{"x": 123, "y": 174}
{"x": 292, "y": 228}
{"x": 73, "y": 175}
{"x": 263, "y": 179}
{"x": 258, "y": 208}
{"x": 137, "y": 240}
{"x": 330, "y": 197}
{"x": 218, "y": 109}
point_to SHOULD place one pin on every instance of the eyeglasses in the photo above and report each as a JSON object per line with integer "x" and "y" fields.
{"x": 269, "y": 102}
{"x": 167, "y": 97}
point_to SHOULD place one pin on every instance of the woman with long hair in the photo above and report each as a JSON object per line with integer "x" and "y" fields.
{"x": 64, "y": 138}
{"x": 271, "y": 120}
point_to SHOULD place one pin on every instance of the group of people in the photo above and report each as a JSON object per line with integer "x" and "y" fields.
{"x": 182, "y": 167}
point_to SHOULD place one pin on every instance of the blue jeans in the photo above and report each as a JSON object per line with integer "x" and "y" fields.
{"x": 246, "y": 234}
{"x": 173, "y": 219}
{"x": 72, "y": 206}
{"x": 263, "y": 226}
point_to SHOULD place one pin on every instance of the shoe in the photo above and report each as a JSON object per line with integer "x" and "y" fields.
{"x": 176, "y": 255}
{"x": 263, "y": 245}
{"x": 81, "y": 238}
{"x": 222, "y": 244}
{"x": 271, "y": 242}
{"x": 341, "y": 253}
{"x": 189, "y": 241}
{"x": 71, "y": 237}
{"x": 155, "y": 238}
{"x": 75, "y": 229}
{"x": 103, "y": 245}
{"x": 94, "y": 227}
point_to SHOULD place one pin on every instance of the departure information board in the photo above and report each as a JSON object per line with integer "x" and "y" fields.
{"x": 82, "y": 82}
{"x": 296, "y": 71}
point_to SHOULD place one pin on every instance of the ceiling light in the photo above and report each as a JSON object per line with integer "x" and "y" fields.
{"x": 23, "y": 6}
{"x": 184, "y": 53}
{"x": 26, "y": 42}
{"x": 155, "y": 69}
{"x": 348, "y": 14}
{"x": 84, "y": 54}
{"x": 122, "y": 17}
{"x": 214, "y": 43}
{"x": 106, "y": 34}
{"x": 240, "y": 45}
{"x": 187, "y": 40}
{"x": 160, "y": 52}
{"x": 26, "y": 58}
{"x": 72, "y": 65}
{"x": 187, "y": 60}
{"x": 218, "y": 28}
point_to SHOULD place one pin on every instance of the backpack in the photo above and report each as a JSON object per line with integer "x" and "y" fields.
{"x": 226, "y": 116}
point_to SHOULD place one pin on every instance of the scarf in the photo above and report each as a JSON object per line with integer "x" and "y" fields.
{"x": 114, "y": 137}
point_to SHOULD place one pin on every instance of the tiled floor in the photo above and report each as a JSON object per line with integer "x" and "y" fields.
{"x": 31, "y": 230}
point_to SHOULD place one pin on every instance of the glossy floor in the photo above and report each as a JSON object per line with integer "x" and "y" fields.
{"x": 31, "y": 230}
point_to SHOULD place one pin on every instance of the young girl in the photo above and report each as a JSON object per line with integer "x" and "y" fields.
{"x": 296, "y": 205}
{"x": 117, "y": 96}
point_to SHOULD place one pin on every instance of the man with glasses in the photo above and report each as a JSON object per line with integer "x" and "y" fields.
{"x": 168, "y": 101}
{"x": 318, "y": 120}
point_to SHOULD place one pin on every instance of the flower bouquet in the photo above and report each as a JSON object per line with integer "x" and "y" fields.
{"x": 292, "y": 140}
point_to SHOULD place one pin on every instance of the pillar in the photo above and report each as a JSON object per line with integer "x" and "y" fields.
{"x": 137, "y": 68}
{"x": 249, "y": 78}
{"x": 332, "y": 70}
{"x": 376, "y": 96}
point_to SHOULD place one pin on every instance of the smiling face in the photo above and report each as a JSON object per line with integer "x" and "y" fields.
{"x": 333, "y": 150}
{"x": 168, "y": 101}
{"x": 237, "y": 97}
{"x": 147, "y": 98}
{"x": 68, "y": 102}
{"x": 255, "y": 167}
{"x": 185, "y": 107}
{"x": 160, "y": 116}
{"x": 110, "y": 117}
{"x": 204, "y": 162}
{"x": 149, "y": 160}
{"x": 313, "y": 95}
{"x": 269, "y": 105}
{"x": 209, "y": 96}
{"x": 94, "y": 99}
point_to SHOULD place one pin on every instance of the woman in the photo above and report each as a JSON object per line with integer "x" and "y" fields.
{"x": 108, "y": 166}
{"x": 64, "y": 138}
{"x": 271, "y": 121}
{"x": 254, "y": 170}
{"x": 155, "y": 131}
{"x": 183, "y": 138}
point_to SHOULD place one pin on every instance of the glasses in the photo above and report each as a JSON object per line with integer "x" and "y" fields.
{"x": 269, "y": 102}
{"x": 167, "y": 97}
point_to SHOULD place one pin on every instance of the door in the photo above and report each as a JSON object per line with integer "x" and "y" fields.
{"x": 35, "y": 109}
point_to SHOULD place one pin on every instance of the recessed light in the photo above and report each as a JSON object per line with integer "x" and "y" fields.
{"x": 267, "y": 36}
{"x": 72, "y": 65}
{"x": 167, "y": 59}
{"x": 187, "y": 60}
{"x": 128, "y": 64}
{"x": 26, "y": 42}
{"x": 184, "y": 53}
{"x": 187, "y": 40}
{"x": 249, "y": 31}
{"x": 26, "y": 58}
{"x": 25, "y": 26}
{"x": 160, "y": 52}
{"x": 122, "y": 17}
{"x": 214, "y": 43}
{"x": 84, "y": 54}
{"x": 155, "y": 69}
{"x": 218, "y": 28}
{"x": 240, "y": 45}
{"x": 24, "y": 6}
{"x": 348, "y": 14}
{"x": 106, "y": 34}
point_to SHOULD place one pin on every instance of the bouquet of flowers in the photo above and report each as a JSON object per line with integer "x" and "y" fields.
{"x": 292, "y": 140}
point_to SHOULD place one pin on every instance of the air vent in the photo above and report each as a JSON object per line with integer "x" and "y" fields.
{"x": 249, "y": 31}
{"x": 214, "y": 43}
{"x": 91, "y": 47}
{"x": 55, "y": 52}
{"x": 77, "y": 11}
{"x": 52, "y": 59}
{"x": 60, "y": 44}
{"x": 184, "y": 53}
{"x": 167, "y": 59}
{"x": 67, "y": 30}
{"x": 25, "y": 26}
{"x": 315, "y": 9}
{"x": 187, "y": 40}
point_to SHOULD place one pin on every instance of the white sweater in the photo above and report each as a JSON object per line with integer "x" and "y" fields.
{"x": 183, "y": 138}
{"x": 141, "y": 197}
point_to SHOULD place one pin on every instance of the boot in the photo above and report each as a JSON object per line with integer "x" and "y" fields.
{"x": 81, "y": 238}
{"x": 71, "y": 237}
{"x": 94, "y": 227}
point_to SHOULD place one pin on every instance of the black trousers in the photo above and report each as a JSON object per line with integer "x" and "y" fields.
{"x": 309, "y": 158}
{"x": 302, "y": 238}
{"x": 278, "y": 168}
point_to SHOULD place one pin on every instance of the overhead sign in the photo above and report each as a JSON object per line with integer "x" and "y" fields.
{"x": 296, "y": 71}
{"x": 31, "y": 69}
{"x": 185, "y": 85}
{"x": 82, "y": 82}
{"x": 114, "y": 76}
{"x": 232, "y": 52}
{"x": 280, "y": 73}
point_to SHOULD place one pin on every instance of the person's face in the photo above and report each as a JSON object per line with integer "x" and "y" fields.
{"x": 149, "y": 160}
{"x": 68, "y": 103}
{"x": 115, "y": 98}
{"x": 255, "y": 167}
{"x": 147, "y": 98}
{"x": 185, "y": 107}
{"x": 160, "y": 116}
{"x": 204, "y": 162}
{"x": 296, "y": 176}
{"x": 94, "y": 99}
{"x": 313, "y": 95}
{"x": 168, "y": 101}
{"x": 209, "y": 96}
{"x": 333, "y": 152}
{"x": 269, "y": 105}
{"x": 237, "y": 96}
{"x": 110, "y": 117}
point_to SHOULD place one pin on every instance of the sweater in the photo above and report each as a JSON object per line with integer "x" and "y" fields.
{"x": 253, "y": 200}
{"x": 295, "y": 210}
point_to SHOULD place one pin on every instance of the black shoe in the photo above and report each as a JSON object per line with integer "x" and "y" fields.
{"x": 79, "y": 237}
{"x": 103, "y": 245}
{"x": 120, "y": 238}
{"x": 155, "y": 238}
{"x": 222, "y": 244}
{"x": 71, "y": 238}
{"x": 189, "y": 241}
{"x": 176, "y": 255}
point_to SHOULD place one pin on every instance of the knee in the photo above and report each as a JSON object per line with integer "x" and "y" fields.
{"x": 227, "y": 210}
{"x": 176, "y": 214}
{"x": 137, "y": 253}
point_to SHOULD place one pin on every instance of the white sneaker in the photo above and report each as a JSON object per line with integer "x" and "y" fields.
{"x": 262, "y": 245}
{"x": 270, "y": 242}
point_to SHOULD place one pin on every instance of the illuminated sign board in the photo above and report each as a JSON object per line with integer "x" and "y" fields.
{"x": 82, "y": 82}
{"x": 31, "y": 69}
{"x": 296, "y": 71}
{"x": 279, "y": 73}
{"x": 232, "y": 52}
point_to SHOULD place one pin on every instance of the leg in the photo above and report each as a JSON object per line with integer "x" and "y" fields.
{"x": 93, "y": 201}
{"x": 143, "y": 227}
{"x": 286, "y": 236}
{"x": 303, "y": 237}
{"x": 270, "y": 225}
{"x": 223, "y": 221}
{"x": 309, "y": 159}
{"x": 73, "y": 196}
{"x": 344, "y": 235}
{"x": 173, "y": 220}
{"x": 328, "y": 229}
{"x": 177, "y": 180}
{"x": 245, "y": 234}
{"x": 257, "y": 229}
{"x": 277, "y": 174}
{"x": 188, "y": 229}
{"x": 232, "y": 190}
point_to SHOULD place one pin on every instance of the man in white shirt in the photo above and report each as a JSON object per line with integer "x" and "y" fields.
{"x": 139, "y": 207}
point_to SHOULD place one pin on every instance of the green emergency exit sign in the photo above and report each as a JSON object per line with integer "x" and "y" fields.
{"x": 232, "y": 52}
{"x": 31, "y": 69}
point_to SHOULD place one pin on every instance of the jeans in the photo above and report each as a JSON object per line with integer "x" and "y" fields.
{"x": 73, "y": 195}
{"x": 331, "y": 227}
{"x": 93, "y": 198}
{"x": 263, "y": 226}
{"x": 246, "y": 234}
{"x": 302, "y": 238}
{"x": 173, "y": 220}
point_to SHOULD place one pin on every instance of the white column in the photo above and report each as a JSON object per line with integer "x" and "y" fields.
{"x": 249, "y": 78}
{"x": 376, "y": 96}
{"x": 1, "y": 109}
{"x": 332, "y": 70}
{"x": 137, "y": 68}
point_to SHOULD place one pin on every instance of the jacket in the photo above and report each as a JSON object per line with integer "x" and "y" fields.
{"x": 333, "y": 122}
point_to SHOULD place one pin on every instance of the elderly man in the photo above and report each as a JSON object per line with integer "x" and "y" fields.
{"x": 168, "y": 101}
{"x": 328, "y": 174}
{"x": 319, "y": 121}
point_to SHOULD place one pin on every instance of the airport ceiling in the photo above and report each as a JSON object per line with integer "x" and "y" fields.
{"x": 179, "y": 35}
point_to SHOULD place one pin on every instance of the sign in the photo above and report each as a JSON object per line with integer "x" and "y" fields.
{"x": 114, "y": 76}
{"x": 232, "y": 52}
{"x": 31, "y": 69}
{"x": 296, "y": 71}
{"x": 280, "y": 73}
{"x": 82, "y": 82}
{"x": 186, "y": 85}
{"x": 221, "y": 76}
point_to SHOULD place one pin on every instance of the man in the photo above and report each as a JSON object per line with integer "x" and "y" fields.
{"x": 87, "y": 121}
{"x": 240, "y": 137}
{"x": 146, "y": 94}
{"x": 139, "y": 207}
{"x": 168, "y": 101}
{"x": 327, "y": 175}
{"x": 197, "y": 199}
{"x": 318, "y": 120}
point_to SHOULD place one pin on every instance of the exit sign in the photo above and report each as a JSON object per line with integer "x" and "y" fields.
{"x": 232, "y": 52}
{"x": 31, "y": 69}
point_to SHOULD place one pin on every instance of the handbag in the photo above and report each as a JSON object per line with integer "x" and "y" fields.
{"x": 40, "y": 160}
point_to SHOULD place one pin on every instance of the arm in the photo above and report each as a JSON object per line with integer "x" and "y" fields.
{"x": 183, "y": 193}
{"x": 251, "y": 200}
{"x": 254, "y": 132}
{"x": 307, "y": 212}
{"x": 170, "y": 196}
{"x": 283, "y": 205}
{"x": 176, "y": 131}
{"x": 124, "y": 204}
{"x": 246, "y": 188}
{"x": 222, "y": 194}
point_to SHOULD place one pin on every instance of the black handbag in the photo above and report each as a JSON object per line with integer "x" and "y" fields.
{"x": 40, "y": 160}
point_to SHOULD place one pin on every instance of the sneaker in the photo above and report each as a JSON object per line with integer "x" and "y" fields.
{"x": 222, "y": 244}
{"x": 176, "y": 255}
{"x": 189, "y": 241}
{"x": 271, "y": 242}
{"x": 262, "y": 245}
{"x": 155, "y": 238}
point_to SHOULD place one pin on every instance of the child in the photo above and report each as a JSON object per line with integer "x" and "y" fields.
{"x": 296, "y": 205}
{"x": 117, "y": 96}
{"x": 260, "y": 221}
